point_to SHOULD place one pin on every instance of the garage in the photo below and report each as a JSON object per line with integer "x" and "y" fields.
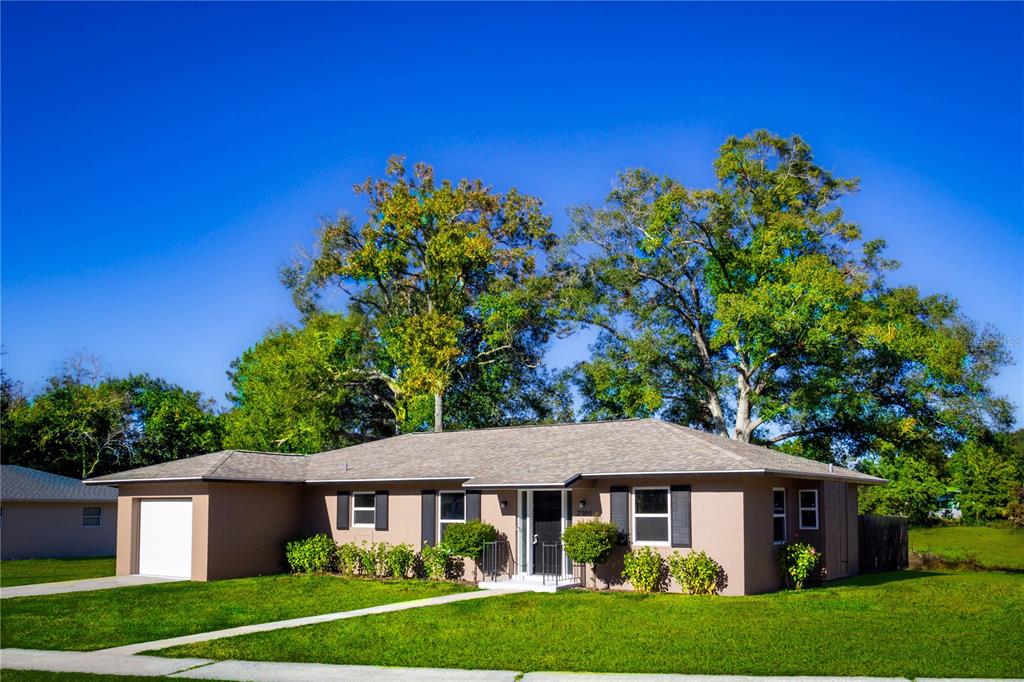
{"x": 165, "y": 537}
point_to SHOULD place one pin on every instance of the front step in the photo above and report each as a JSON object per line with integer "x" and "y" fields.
{"x": 529, "y": 584}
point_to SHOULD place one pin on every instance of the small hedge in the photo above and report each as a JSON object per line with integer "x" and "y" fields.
{"x": 696, "y": 572}
{"x": 644, "y": 568}
{"x": 591, "y": 543}
{"x": 467, "y": 539}
{"x": 797, "y": 560}
{"x": 316, "y": 554}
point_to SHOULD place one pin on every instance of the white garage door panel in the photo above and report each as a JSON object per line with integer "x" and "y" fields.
{"x": 165, "y": 538}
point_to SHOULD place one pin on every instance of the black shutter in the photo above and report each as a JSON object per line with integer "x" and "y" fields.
{"x": 428, "y": 518}
{"x": 568, "y": 508}
{"x": 472, "y": 505}
{"x": 380, "y": 510}
{"x": 342, "y": 510}
{"x": 620, "y": 510}
{"x": 681, "y": 516}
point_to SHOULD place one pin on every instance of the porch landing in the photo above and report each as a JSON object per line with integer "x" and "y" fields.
{"x": 530, "y": 583}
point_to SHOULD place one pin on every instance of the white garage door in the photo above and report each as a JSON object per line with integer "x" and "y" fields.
{"x": 165, "y": 538}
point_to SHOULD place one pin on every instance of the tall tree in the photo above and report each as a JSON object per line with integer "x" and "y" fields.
{"x": 83, "y": 423}
{"x": 753, "y": 309}
{"x": 303, "y": 389}
{"x": 445, "y": 275}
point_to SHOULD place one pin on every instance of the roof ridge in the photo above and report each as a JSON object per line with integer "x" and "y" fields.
{"x": 527, "y": 426}
{"x": 228, "y": 456}
{"x": 698, "y": 433}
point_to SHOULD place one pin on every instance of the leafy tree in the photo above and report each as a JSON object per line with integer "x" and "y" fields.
{"x": 84, "y": 424}
{"x": 302, "y": 389}
{"x": 986, "y": 480}
{"x": 445, "y": 275}
{"x": 170, "y": 421}
{"x": 752, "y": 309}
{"x": 913, "y": 489}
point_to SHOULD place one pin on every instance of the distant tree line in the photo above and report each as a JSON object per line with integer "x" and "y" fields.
{"x": 752, "y": 308}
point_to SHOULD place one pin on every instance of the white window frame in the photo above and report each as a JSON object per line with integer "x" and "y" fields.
{"x": 98, "y": 516}
{"x": 800, "y": 504}
{"x": 373, "y": 508}
{"x": 776, "y": 515}
{"x": 440, "y": 521}
{"x": 633, "y": 515}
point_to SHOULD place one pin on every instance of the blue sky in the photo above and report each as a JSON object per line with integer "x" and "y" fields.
{"x": 160, "y": 162}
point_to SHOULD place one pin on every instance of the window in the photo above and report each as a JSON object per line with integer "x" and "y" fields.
{"x": 364, "y": 510}
{"x": 453, "y": 510}
{"x": 809, "y": 509}
{"x": 778, "y": 515}
{"x": 91, "y": 516}
{"x": 650, "y": 516}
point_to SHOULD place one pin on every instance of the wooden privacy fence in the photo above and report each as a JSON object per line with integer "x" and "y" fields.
{"x": 883, "y": 543}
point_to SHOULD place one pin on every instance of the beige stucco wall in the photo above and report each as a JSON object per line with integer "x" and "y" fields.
{"x": 249, "y": 524}
{"x": 761, "y": 567}
{"x": 716, "y": 507}
{"x": 38, "y": 530}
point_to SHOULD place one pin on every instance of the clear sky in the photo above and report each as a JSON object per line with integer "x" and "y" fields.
{"x": 161, "y": 161}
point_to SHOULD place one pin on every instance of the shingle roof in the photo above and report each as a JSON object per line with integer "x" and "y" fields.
{"x": 547, "y": 455}
{"x": 226, "y": 465}
{"x": 22, "y": 484}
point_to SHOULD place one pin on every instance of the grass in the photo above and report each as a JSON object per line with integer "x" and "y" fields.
{"x": 991, "y": 548}
{"x": 85, "y": 621}
{"x": 909, "y": 624}
{"x": 32, "y": 571}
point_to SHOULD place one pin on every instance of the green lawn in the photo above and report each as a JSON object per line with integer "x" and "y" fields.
{"x": 909, "y": 624}
{"x": 997, "y": 548}
{"x": 84, "y": 621}
{"x": 31, "y": 571}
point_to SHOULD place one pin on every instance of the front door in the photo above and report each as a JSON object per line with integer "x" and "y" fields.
{"x": 547, "y": 529}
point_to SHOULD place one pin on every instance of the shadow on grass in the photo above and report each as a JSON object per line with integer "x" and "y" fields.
{"x": 872, "y": 579}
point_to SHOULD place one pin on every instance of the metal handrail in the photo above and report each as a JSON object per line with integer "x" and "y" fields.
{"x": 552, "y": 563}
{"x": 495, "y": 559}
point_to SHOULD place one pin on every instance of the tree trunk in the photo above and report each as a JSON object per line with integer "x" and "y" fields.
{"x": 438, "y": 413}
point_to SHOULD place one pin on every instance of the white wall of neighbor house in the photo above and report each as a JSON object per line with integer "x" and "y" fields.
{"x": 59, "y": 530}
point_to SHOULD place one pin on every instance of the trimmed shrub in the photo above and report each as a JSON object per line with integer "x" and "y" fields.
{"x": 349, "y": 559}
{"x": 697, "y": 572}
{"x": 371, "y": 559}
{"x": 797, "y": 561}
{"x": 435, "y": 561}
{"x": 467, "y": 539}
{"x": 398, "y": 559}
{"x": 311, "y": 555}
{"x": 644, "y": 568}
{"x": 591, "y": 543}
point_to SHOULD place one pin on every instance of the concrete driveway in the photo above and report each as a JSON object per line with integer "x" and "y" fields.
{"x": 83, "y": 585}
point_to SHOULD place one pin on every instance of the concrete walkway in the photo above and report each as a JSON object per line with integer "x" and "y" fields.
{"x": 254, "y": 671}
{"x": 83, "y": 585}
{"x": 299, "y": 622}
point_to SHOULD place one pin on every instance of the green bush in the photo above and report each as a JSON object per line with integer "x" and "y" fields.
{"x": 797, "y": 561}
{"x": 696, "y": 572}
{"x": 435, "y": 561}
{"x": 349, "y": 559}
{"x": 398, "y": 559}
{"x": 467, "y": 539}
{"x": 644, "y": 568}
{"x": 371, "y": 559}
{"x": 311, "y": 555}
{"x": 590, "y": 542}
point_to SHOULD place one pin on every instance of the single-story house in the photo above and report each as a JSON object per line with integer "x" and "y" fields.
{"x": 45, "y": 516}
{"x": 228, "y": 514}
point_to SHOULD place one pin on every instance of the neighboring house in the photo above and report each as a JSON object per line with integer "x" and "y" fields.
{"x": 49, "y": 516}
{"x": 228, "y": 514}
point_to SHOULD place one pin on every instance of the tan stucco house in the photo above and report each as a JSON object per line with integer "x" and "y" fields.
{"x": 46, "y": 516}
{"x": 228, "y": 514}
